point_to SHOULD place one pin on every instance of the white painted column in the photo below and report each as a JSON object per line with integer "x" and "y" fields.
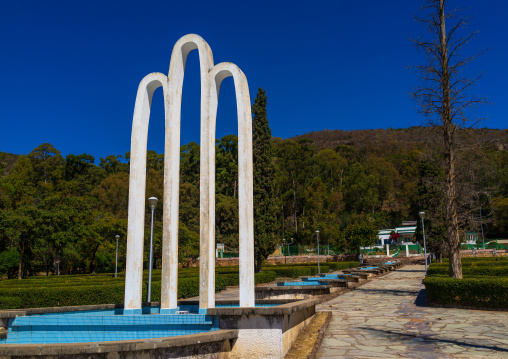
{"x": 245, "y": 174}
{"x": 407, "y": 250}
{"x": 387, "y": 249}
{"x": 137, "y": 185}
{"x": 169, "y": 285}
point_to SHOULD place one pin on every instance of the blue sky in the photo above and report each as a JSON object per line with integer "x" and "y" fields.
{"x": 70, "y": 69}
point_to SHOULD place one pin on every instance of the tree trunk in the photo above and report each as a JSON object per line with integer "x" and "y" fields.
{"x": 20, "y": 268}
{"x": 259, "y": 265}
{"x": 452, "y": 225}
{"x": 452, "y": 219}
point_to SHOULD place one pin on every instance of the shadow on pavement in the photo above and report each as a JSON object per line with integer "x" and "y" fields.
{"x": 421, "y": 299}
{"x": 387, "y": 291}
{"x": 430, "y": 340}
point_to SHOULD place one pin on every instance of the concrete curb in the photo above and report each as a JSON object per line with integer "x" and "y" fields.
{"x": 11, "y": 350}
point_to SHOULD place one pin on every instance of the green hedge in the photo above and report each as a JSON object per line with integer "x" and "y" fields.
{"x": 112, "y": 292}
{"x": 477, "y": 292}
{"x": 503, "y": 260}
{"x": 291, "y": 272}
{"x": 11, "y": 302}
{"x": 265, "y": 277}
{"x": 498, "y": 271}
{"x": 342, "y": 265}
{"x": 37, "y": 297}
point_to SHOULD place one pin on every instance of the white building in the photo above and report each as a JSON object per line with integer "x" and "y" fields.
{"x": 406, "y": 231}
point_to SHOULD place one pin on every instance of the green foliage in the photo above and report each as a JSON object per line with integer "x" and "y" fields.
{"x": 264, "y": 191}
{"x": 101, "y": 289}
{"x": 488, "y": 292}
{"x": 360, "y": 234}
{"x": 484, "y": 285}
{"x": 265, "y": 276}
{"x": 292, "y": 272}
{"x": 9, "y": 261}
{"x": 72, "y": 208}
{"x": 484, "y": 270}
{"x": 342, "y": 265}
{"x": 10, "y": 302}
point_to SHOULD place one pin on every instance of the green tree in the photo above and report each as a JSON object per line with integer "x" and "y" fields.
{"x": 361, "y": 190}
{"x": 17, "y": 187}
{"x": 19, "y": 228}
{"x": 9, "y": 261}
{"x": 265, "y": 210}
{"x": 48, "y": 165}
{"x": 114, "y": 164}
{"x": 361, "y": 233}
{"x": 226, "y": 165}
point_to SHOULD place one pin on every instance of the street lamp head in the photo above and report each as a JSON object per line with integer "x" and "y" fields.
{"x": 152, "y": 202}
{"x": 117, "y": 237}
{"x": 422, "y": 214}
{"x": 317, "y": 232}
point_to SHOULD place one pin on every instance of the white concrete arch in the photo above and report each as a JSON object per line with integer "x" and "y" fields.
{"x": 211, "y": 78}
{"x": 245, "y": 172}
{"x": 137, "y": 185}
{"x": 169, "y": 284}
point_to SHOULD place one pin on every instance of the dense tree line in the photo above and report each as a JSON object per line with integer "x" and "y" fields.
{"x": 70, "y": 209}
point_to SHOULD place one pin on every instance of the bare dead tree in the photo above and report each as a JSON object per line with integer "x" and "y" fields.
{"x": 446, "y": 102}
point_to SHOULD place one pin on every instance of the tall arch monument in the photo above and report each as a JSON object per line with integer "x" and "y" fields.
{"x": 211, "y": 79}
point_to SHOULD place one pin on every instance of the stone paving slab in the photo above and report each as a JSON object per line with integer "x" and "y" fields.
{"x": 387, "y": 318}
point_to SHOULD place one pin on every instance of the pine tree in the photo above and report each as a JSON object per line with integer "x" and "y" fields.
{"x": 265, "y": 211}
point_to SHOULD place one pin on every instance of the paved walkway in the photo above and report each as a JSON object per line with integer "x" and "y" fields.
{"x": 386, "y": 319}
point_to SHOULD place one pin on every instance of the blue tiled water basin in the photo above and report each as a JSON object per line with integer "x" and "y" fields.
{"x": 327, "y": 276}
{"x": 285, "y": 284}
{"x": 368, "y": 268}
{"x": 110, "y": 325}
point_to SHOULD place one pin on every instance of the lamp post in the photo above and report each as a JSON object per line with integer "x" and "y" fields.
{"x": 318, "y": 268}
{"x": 152, "y": 202}
{"x": 481, "y": 224}
{"x": 288, "y": 249}
{"x": 116, "y": 257}
{"x": 422, "y": 216}
{"x": 285, "y": 257}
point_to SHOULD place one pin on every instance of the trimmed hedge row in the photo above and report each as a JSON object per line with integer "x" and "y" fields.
{"x": 59, "y": 296}
{"x": 342, "y": 265}
{"x": 498, "y": 271}
{"x": 465, "y": 259}
{"x": 475, "y": 264}
{"x": 486, "y": 292}
{"x": 295, "y": 272}
{"x": 233, "y": 279}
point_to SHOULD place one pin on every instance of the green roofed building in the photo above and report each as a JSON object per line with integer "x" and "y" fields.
{"x": 398, "y": 235}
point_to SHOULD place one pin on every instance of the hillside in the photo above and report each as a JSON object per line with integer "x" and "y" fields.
{"x": 407, "y": 138}
{"x": 7, "y": 161}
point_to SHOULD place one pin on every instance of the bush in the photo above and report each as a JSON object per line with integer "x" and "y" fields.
{"x": 323, "y": 268}
{"x": 10, "y": 303}
{"x": 342, "y": 265}
{"x": 291, "y": 272}
{"x": 36, "y": 297}
{"x": 265, "y": 277}
{"x": 9, "y": 261}
{"x": 17, "y": 294}
{"x": 485, "y": 292}
{"x": 498, "y": 271}
{"x": 503, "y": 260}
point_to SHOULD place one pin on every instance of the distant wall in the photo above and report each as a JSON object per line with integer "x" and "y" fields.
{"x": 223, "y": 262}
